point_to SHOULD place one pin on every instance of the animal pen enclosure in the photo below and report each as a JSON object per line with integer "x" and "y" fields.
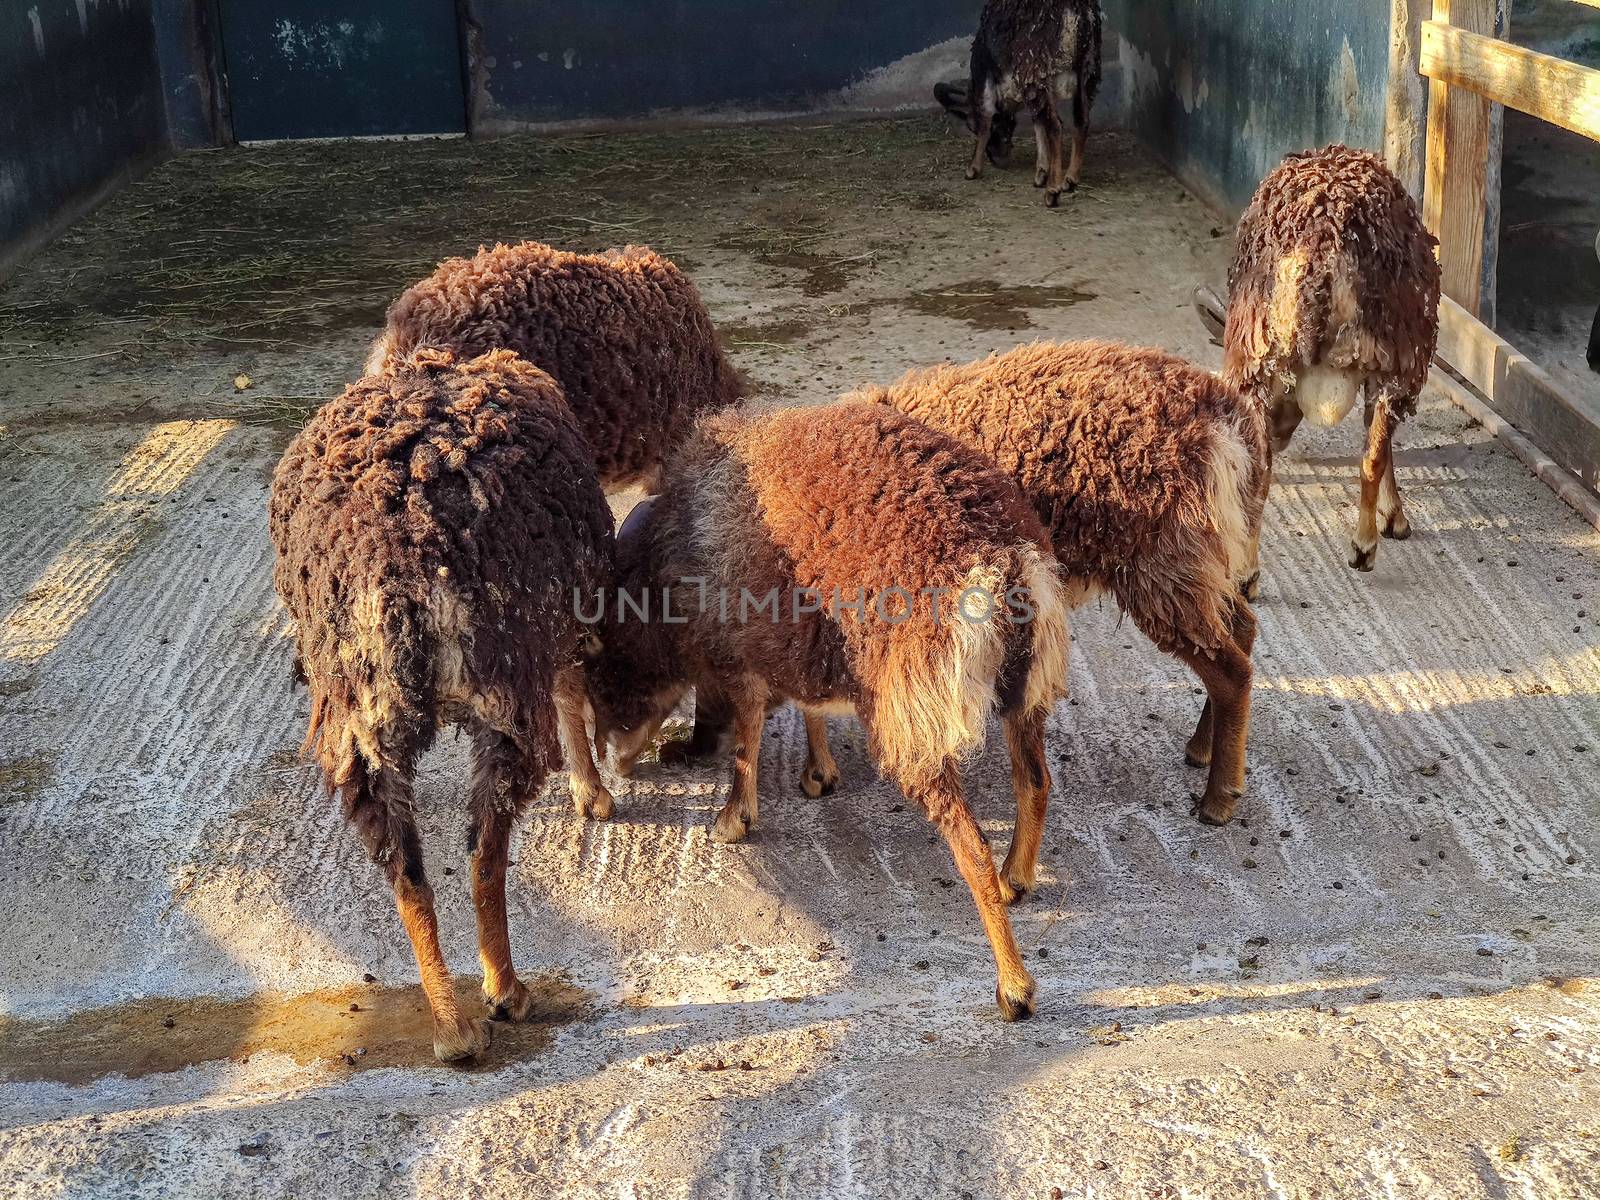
{"x": 1379, "y": 980}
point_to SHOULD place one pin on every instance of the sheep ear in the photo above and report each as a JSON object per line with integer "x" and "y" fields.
{"x": 633, "y": 528}
{"x": 1213, "y": 313}
{"x": 953, "y": 99}
{"x": 589, "y": 645}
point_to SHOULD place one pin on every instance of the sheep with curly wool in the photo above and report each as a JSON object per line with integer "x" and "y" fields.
{"x": 431, "y": 526}
{"x": 624, "y": 333}
{"x": 1334, "y": 294}
{"x": 1150, "y": 476}
{"x": 847, "y": 557}
{"x": 1028, "y": 54}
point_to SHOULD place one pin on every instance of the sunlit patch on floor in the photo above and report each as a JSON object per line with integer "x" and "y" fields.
{"x": 77, "y": 576}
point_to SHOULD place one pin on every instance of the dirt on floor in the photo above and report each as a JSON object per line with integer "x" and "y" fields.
{"x": 1380, "y": 980}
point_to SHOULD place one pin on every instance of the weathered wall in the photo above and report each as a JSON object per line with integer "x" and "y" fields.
{"x": 538, "y": 61}
{"x": 1222, "y": 89}
{"x": 80, "y": 108}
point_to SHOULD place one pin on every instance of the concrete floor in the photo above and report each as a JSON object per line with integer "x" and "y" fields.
{"x": 1382, "y": 980}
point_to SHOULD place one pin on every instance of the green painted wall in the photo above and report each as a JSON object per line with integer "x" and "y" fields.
{"x": 1222, "y": 89}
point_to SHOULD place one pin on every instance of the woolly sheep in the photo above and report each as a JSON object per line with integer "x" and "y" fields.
{"x": 759, "y": 510}
{"x": 1150, "y": 476}
{"x": 431, "y": 525}
{"x": 1334, "y": 293}
{"x": 1030, "y": 53}
{"x": 624, "y": 333}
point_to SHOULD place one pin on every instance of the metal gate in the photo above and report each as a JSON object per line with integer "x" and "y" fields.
{"x": 342, "y": 68}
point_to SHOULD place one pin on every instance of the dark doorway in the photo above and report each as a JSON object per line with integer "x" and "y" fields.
{"x": 342, "y": 68}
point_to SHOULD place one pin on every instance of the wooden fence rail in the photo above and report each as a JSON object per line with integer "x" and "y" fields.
{"x": 1467, "y": 69}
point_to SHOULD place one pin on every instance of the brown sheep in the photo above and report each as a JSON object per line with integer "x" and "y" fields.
{"x": 1150, "y": 476}
{"x": 431, "y": 525}
{"x": 1030, "y": 53}
{"x": 763, "y": 540}
{"x": 1334, "y": 293}
{"x": 624, "y": 333}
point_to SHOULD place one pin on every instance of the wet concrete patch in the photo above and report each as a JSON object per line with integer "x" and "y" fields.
{"x": 988, "y": 304}
{"x": 358, "y": 1028}
{"x": 747, "y": 335}
{"x": 23, "y": 778}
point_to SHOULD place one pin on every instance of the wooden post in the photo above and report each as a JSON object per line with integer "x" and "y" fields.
{"x": 1458, "y": 157}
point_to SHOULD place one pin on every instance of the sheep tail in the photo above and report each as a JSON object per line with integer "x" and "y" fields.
{"x": 942, "y": 690}
{"x": 1232, "y": 503}
{"x": 382, "y": 346}
{"x": 1051, "y": 643}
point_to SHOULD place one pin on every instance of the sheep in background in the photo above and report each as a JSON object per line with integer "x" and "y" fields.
{"x": 431, "y": 525}
{"x": 1150, "y": 475}
{"x": 1333, "y": 294}
{"x": 624, "y": 333}
{"x": 820, "y": 512}
{"x": 1030, "y": 53}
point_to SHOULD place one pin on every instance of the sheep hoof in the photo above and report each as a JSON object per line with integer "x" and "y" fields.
{"x": 1250, "y": 588}
{"x": 597, "y": 807}
{"x": 465, "y": 1042}
{"x": 1397, "y": 527}
{"x": 1039, "y": 177}
{"x": 731, "y": 827}
{"x": 972, "y": 172}
{"x": 686, "y": 754}
{"x": 1216, "y": 807}
{"x": 1019, "y": 889}
{"x": 1072, "y": 186}
{"x": 515, "y": 1005}
{"x": 816, "y": 783}
{"x": 1052, "y": 198}
{"x": 1197, "y": 758}
{"x": 1363, "y": 559}
{"x": 1015, "y": 998}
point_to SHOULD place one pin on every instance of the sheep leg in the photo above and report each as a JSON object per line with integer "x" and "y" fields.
{"x": 821, "y": 775}
{"x": 1041, "y": 159}
{"x": 947, "y": 808}
{"x": 1391, "y": 513}
{"x": 1030, "y": 781}
{"x": 1285, "y": 419}
{"x": 502, "y": 779}
{"x": 1080, "y": 136}
{"x": 1046, "y": 113}
{"x": 985, "y": 119}
{"x": 589, "y": 793}
{"x": 380, "y": 805}
{"x": 1226, "y": 673}
{"x": 738, "y": 815}
{"x": 713, "y": 716}
{"x": 1376, "y": 463}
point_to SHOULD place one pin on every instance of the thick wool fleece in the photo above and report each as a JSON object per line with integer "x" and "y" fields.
{"x": 1332, "y": 266}
{"x": 430, "y": 525}
{"x": 1116, "y": 448}
{"x": 624, "y": 333}
{"x": 1025, "y": 44}
{"x": 850, "y": 500}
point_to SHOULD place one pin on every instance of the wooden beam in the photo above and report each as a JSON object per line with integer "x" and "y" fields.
{"x": 1540, "y": 85}
{"x": 1566, "y": 426}
{"x": 1559, "y": 480}
{"x": 1458, "y": 159}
